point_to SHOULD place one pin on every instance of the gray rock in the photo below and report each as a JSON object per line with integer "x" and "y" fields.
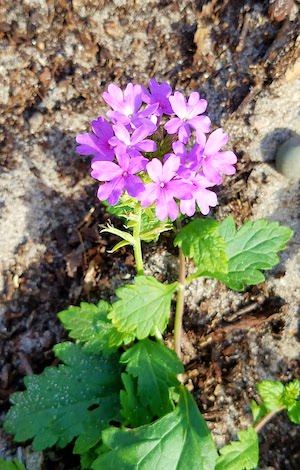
{"x": 35, "y": 122}
{"x": 288, "y": 159}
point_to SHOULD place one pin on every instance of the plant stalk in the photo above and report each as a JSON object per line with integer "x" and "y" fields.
{"x": 137, "y": 248}
{"x": 179, "y": 305}
{"x": 258, "y": 426}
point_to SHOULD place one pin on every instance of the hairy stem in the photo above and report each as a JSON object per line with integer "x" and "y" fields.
{"x": 258, "y": 426}
{"x": 179, "y": 305}
{"x": 137, "y": 242}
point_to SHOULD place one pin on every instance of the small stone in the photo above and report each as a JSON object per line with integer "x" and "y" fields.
{"x": 218, "y": 391}
{"x": 114, "y": 29}
{"x": 4, "y": 27}
{"x": 287, "y": 160}
{"x": 35, "y": 122}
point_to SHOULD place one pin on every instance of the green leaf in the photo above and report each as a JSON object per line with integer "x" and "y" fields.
{"x": 123, "y": 208}
{"x": 202, "y": 241}
{"x": 89, "y": 324}
{"x": 118, "y": 246}
{"x": 258, "y": 411}
{"x": 61, "y": 403}
{"x": 291, "y": 393}
{"x": 294, "y": 413}
{"x": 143, "y": 308}
{"x": 94, "y": 423}
{"x": 290, "y": 398}
{"x": 179, "y": 441}
{"x": 156, "y": 368}
{"x": 120, "y": 233}
{"x": 240, "y": 455}
{"x": 251, "y": 248}
{"x": 272, "y": 394}
{"x": 150, "y": 227}
{"x": 134, "y": 413}
{"x": 248, "y": 250}
{"x": 14, "y": 464}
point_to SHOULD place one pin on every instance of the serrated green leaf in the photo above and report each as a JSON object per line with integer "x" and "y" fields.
{"x": 134, "y": 413}
{"x": 156, "y": 368}
{"x": 291, "y": 393}
{"x": 258, "y": 411}
{"x": 240, "y": 455}
{"x": 179, "y": 441}
{"x": 294, "y": 413}
{"x": 89, "y": 325}
{"x": 271, "y": 392}
{"x": 143, "y": 308}
{"x": 250, "y": 249}
{"x": 14, "y": 464}
{"x": 95, "y": 422}
{"x": 290, "y": 397}
{"x": 201, "y": 240}
{"x": 55, "y": 408}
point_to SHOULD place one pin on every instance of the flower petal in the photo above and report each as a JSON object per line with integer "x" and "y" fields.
{"x": 173, "y": 125}
{"x": 134, "y": 185}
{"x": 154, "y": 170}
{"x": 179, "y": 189}
{"x": 141, "y": 133}
{"x": 105, "y": 171}
{"x": 137, "y": 164}
{"x": 200, "y": 124}
{"x": 184, "y": 133}
{"x": 170, "y": 168}
{"x": 102, "y": 128}
{"x": 149, "y": 195}
{"x": 178, "y": 103}
{"x": 89, "y": 144}
{"x": 199, "y": 108}
{"x": 210, "y": 172}
{"x": 146, "y": 146}
{"x": 215, "y": 141}
{"x": 188, "y": 207}
{"x": 121, "y": 133}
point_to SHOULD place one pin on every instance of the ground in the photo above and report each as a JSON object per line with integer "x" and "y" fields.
{"x": 57, "y": 58}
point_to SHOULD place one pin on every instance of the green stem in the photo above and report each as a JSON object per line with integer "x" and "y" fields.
{"x": 179, "y": 305}
{"x": 137, "y": 242}
{"x": 258, "y": 426}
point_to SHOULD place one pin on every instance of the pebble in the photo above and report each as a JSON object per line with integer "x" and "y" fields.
{"x": 35, "y": 122}
{"x": 287, "y": 160}
{"x": 218, "y": 390}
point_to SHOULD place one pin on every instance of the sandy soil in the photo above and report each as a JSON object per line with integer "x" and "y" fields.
{"x": 56, "y": 59}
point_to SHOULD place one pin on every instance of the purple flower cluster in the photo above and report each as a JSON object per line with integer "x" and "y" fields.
{"x": 128, "y": 157}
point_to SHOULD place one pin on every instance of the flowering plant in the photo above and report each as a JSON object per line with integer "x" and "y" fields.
{"x": 141, "y": 142}
{"x": 119, "y": 391}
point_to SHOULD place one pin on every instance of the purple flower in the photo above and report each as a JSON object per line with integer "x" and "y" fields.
{"x": 98, "y": 144}
{"x": 165, "y": 188}
{"x": 187, "y": 113}
{"x": 189, "y": 161}
{"x": 202, "y": 196}
{"x": 214, "y": 162}
{"x": 125, "y": 105}
{"x": 135, "y": 143}
{"x": 159, "y": 93}
{"x": 118, "y": 178}
{"x": 140, "y": 118}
